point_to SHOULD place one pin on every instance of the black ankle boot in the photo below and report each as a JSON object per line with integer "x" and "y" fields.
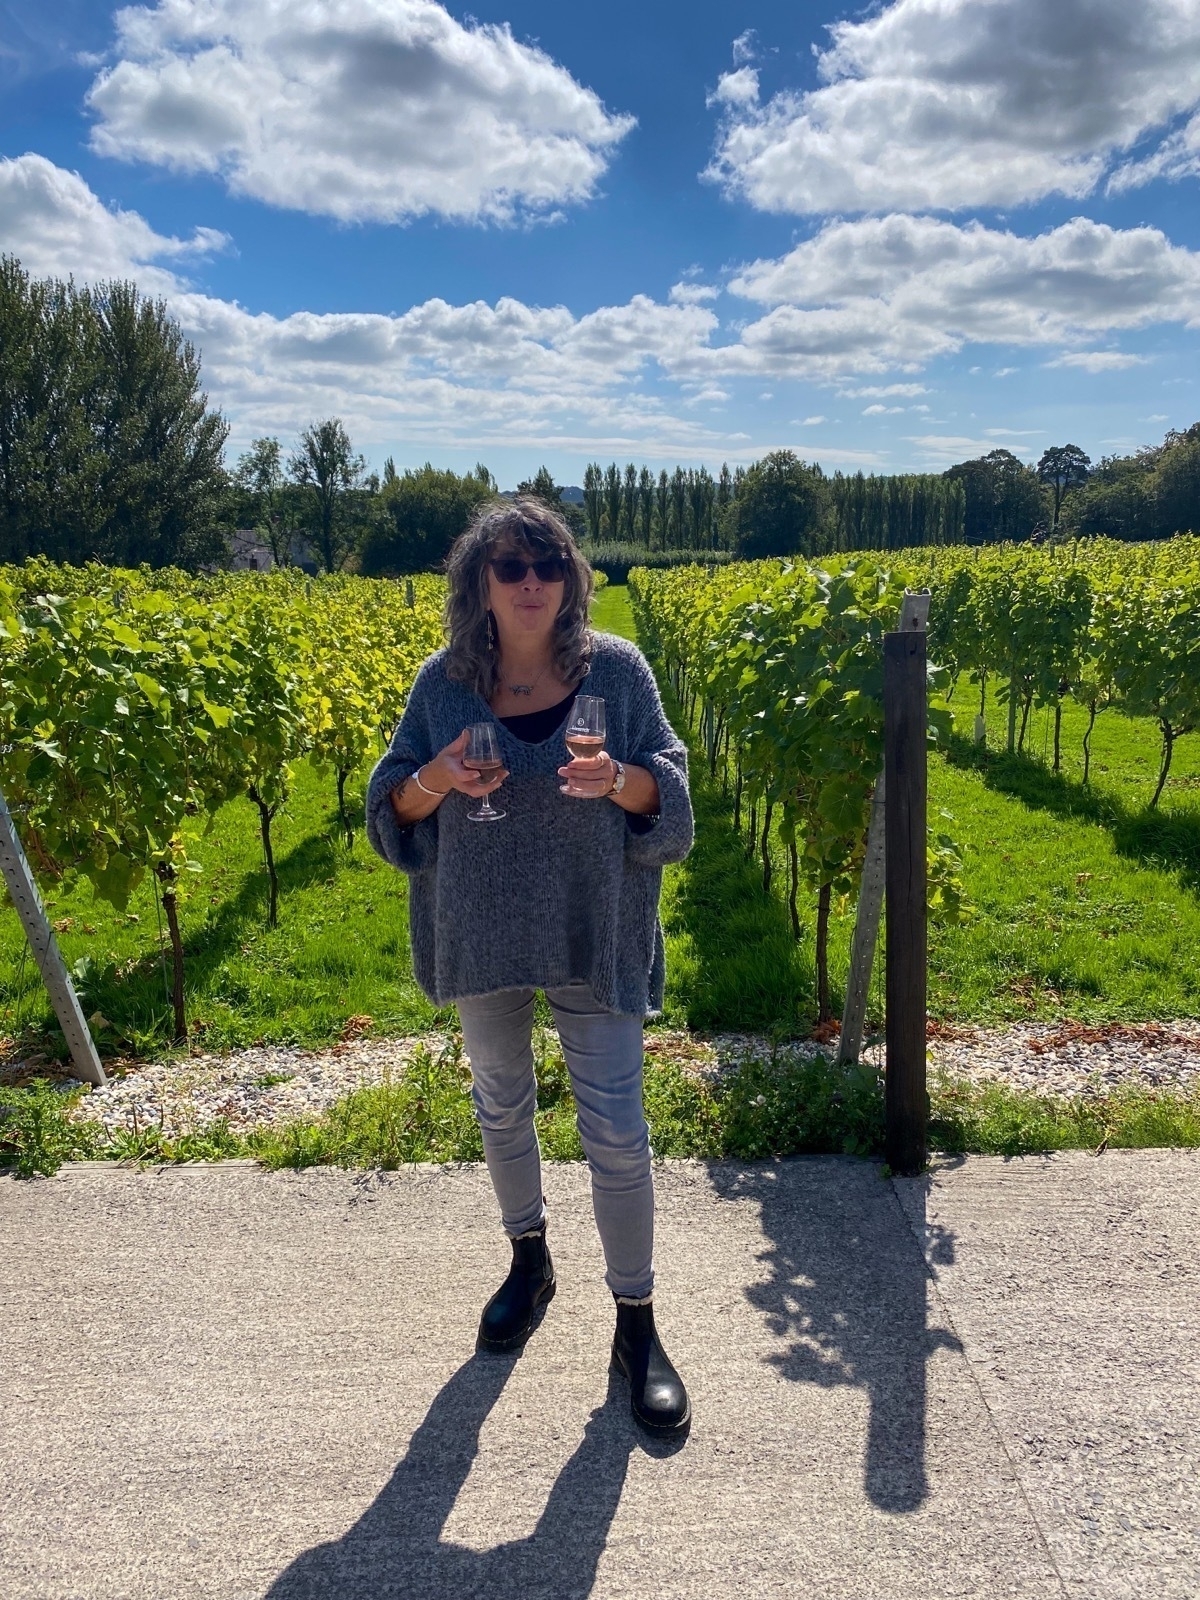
{"x": 656, "y": 1394}
{"x": 508, "y": 1317}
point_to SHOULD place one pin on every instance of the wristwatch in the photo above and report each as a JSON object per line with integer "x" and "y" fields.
{"x": 618, "y": 782}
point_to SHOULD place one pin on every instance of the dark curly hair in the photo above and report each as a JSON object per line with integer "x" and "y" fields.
{"x": 531, "y": 529}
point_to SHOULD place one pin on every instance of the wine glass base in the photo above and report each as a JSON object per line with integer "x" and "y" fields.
{"x": 485, "y": 816}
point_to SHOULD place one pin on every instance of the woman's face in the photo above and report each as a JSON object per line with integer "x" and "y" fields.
{"x": 524, "y": 610}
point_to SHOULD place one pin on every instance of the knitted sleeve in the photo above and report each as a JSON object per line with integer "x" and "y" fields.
{"x": 654, "y": 744}
{"x": 414, "y": 848}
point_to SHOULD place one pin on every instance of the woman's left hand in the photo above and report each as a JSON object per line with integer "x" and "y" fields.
{"x": 588, "y": 778}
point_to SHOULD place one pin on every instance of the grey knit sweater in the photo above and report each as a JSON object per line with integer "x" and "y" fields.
{"x": 561, "y": 890}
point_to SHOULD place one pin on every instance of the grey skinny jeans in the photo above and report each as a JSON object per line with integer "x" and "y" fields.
{"x": 603, "y": 1051}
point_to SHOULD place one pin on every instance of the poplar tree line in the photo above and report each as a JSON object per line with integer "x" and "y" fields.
{"x": 688, "y": 509}
{"x": 891, "y": 513}
{"x": 779, "y": 505}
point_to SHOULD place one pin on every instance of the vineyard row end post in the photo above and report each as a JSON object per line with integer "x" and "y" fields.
{"x": 905, "y": 719}
{"x": 27, "y": 900}
{"x": 914, "y": 613}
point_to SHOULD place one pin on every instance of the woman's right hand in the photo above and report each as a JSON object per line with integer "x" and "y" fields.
{"x": 446, "y": 771}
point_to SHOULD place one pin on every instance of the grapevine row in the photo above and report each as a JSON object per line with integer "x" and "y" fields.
{"x": 133, "y": 705}
{"x": 1103, "y": 623}
{"x": 778, "y": 665}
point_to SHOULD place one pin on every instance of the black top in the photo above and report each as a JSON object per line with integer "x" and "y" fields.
{"x": 533, "y": 726}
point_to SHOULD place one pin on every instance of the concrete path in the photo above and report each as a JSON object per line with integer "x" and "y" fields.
{"x": 218, "y": 1382}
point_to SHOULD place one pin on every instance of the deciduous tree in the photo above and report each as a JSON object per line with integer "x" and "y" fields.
{"x": 780, "y": 507}
{"x": 593, "y": 497}
{"x": 325, "y": 464}
{"x": 107, "y": 447}
{"x": 542, "y": 487}
{"x": 424, "y": 511}
{"x": 646, "y": 503}
{"x": 1062, "y": 468}
{"x": 612, "y": 499}
{"x": 259, "y": 473}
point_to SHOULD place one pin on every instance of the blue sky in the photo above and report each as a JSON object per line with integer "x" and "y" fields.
{"x": 527, "y": 233}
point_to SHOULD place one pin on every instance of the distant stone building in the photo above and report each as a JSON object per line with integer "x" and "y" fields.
{"x": 249, "y": 552}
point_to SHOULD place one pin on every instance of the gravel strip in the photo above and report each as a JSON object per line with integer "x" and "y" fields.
{"x": 272, "y": 1084}
{"x": 1067, "y": 1059}
{"x": 1072, "y": 1058}
{"x": 259, "y": 1087}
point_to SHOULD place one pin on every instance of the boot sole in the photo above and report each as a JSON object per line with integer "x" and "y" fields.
{"x": 657, "y": 1430}
{"x": 516, "y": 1340}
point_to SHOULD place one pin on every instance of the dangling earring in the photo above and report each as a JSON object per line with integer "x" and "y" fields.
{"x": 491, "y": 627}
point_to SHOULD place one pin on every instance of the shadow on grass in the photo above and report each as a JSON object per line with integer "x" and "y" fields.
{"x": 1168, "y": 841}
{"x": 397, "y": 1547}
{"x": 846, "y": 1297}
{"x": 746, "y": 971}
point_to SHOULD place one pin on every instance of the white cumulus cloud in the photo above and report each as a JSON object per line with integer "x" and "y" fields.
{"x": 692, "y": 294}
{"x": 944, "y": 104}
{"x": 52, "y": 219}
{"x": 884, "y": 391}
{"x": 860, "y": 298}
{"x": 1098, "y": 360}
{"x": 900, "y": 291}
{"x": 356, "y": 109}
{"x": 438, "y": 375}
{"x": 739, "y": 88}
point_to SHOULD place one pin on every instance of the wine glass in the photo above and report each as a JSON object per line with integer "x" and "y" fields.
{"x": 483, "y": 756}
{"x": 585, "y": 730}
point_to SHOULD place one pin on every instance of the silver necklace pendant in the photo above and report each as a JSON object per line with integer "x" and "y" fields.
{"x": 525, "y": 688}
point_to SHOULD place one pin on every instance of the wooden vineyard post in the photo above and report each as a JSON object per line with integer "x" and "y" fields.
{"x": 904, "y": 717}
{"x": 914, "y": 613}
{"x": 23, "y": 889}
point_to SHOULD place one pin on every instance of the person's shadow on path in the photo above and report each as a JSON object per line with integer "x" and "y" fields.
{"x": 847, "y": 1294}
{"x": 395, "y": 1549}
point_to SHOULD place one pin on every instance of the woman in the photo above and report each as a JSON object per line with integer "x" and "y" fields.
{"x": 561, "y": 895}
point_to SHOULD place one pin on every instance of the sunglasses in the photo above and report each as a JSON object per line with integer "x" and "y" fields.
{"x": 511, "y": 569}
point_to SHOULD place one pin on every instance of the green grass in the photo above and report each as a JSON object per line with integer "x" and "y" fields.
{"x": 1088, "y": 902}
{"x": 340, "y": 950}
{"x": 612, "y": 613}
{"x": 731, "y": 959}
{"x": 1067, "y": 922}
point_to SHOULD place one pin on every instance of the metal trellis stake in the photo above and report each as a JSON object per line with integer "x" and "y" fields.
{"x": 32, "y": 912}
{"x": 866, "y": 931}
